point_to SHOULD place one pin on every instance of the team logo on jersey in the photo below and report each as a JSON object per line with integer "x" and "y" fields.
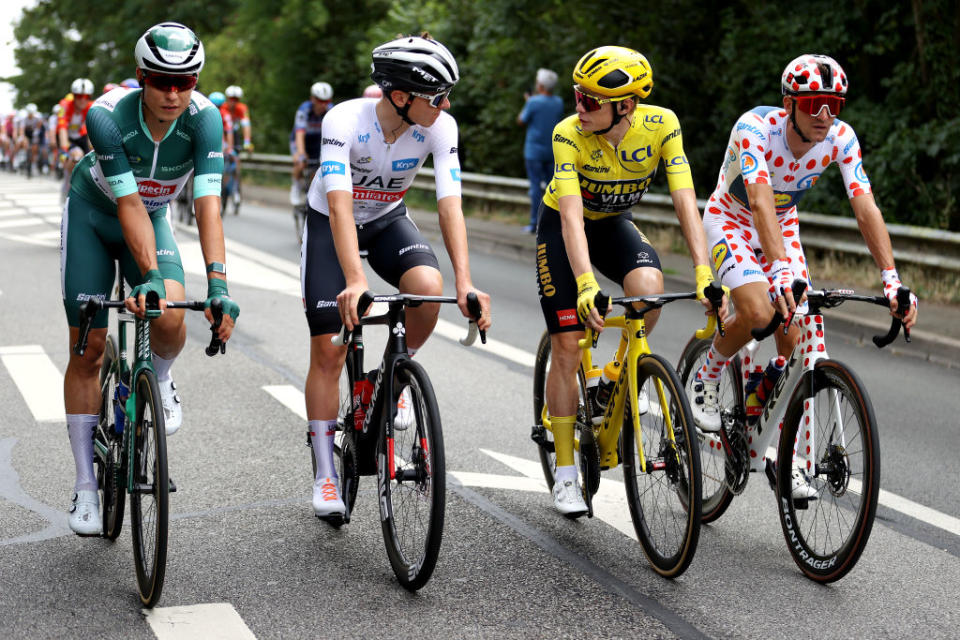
{"x": 808, "y": 181}
{"x": 405, "y": 164}
{"x": 656, "y": 119}
{"x": 455, "y": 174}
{"x": 637, "y": 155}
{"x": 329, "y": 167}
{"x": 365, "y": 137}
{"x": 748, "y": 163}
{"x": 364, "y": 160}
{"x": 861, "y": 174}
{"x": 153, "y": 189}
{"x": 419, "y": 137}
{"x": 596, "y": 155}
{"x": 781, "y": 200}
{"x": 721, "y": 253}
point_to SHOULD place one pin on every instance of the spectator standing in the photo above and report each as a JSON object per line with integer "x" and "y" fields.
{"x": 540, "y": 114}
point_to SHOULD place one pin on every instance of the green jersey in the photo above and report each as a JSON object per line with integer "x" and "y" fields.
{"x": 125, "y": 159}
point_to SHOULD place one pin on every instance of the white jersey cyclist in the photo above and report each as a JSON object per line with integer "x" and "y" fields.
{"x": 354, "y": 157}
{"x": 757, "y": 153}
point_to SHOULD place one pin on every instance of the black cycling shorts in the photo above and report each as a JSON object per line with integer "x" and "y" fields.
{"x": 394, "y": 245}
{"x": 616, "y": 248}
{"x": 82, "y": 143}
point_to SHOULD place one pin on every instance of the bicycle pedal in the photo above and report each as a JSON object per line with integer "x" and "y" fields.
{"x": 173, "y": 486}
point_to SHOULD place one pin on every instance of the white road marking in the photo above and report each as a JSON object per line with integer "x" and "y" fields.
{"x": 214, "y": 621}
{"x": 21, "y": 222}
{"x": 289, "y": 396}
{"x": 38, "y": 379}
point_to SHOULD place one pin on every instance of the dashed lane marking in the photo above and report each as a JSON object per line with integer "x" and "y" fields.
{"x": 214, "y": 621}
{"x": 38, "y": 379}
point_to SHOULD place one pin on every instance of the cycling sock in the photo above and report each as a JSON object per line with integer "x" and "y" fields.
{"x": 563, "y": 474}
{"x": 321, "y": 437}
{"x": 562, "y": 427}
{"x": 714, "y": 365}
{"x": 162, "y": 367}
{"x": 80, "y": 428}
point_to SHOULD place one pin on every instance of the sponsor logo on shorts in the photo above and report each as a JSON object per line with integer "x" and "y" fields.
{"x": 83, "y": 297}
{"x": 215, "y": 154}
{"x": 326, "y": 304}
{"x": 567, "y": 317}
{"x": 753, "y": 272}
{"x": 781, "y": 200}
{"x": 414, "y": 247}
{"x": 405, "y": 164}
{"x": 166, "y": 252}
{"x": 543, "y": 272}
{"x": 721, "y": 253}
{"x": 330, "y": 166}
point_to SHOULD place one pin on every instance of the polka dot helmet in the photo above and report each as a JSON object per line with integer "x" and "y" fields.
{"x": 813, "y": 73}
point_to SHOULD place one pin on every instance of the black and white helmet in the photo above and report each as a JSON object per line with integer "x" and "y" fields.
{"x": 171, "y": 48}
{"x": 414, "y": 64}
{"x": 81, "y": 87}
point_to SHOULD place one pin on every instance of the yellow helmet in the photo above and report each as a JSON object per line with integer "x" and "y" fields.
{"x": 613, "y": 72}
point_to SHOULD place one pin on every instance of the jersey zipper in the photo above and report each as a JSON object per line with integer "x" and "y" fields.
{"x": 156, "y": 152}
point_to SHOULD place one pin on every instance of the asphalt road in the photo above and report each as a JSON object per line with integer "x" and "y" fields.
{"x": 248, "y": 557}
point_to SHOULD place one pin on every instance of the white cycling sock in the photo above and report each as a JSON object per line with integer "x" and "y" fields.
{"x": 714, "y": 365}
{"x": 80, "y": 428}
{"x": 568, "y": 472}
{"x": 321, "y": 437}
{"x": 162, "y": 367}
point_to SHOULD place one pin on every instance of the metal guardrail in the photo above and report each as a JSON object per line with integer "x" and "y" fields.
{"x": 919, "y": 246}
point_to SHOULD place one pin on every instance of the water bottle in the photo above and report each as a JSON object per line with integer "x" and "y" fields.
{"x": 757, "y": 396}
{"x": 120, "y": 393}
{"x": 611, "y": 373}
{"x": 593, "y": 383}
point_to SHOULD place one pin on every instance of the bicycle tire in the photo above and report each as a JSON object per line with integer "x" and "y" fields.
{"x": 590, "y": 465}
{"x": 824, "y": 548}
{"x": 299, "y": 220}
{"x": 236, "y": 197}
{"x": 109, "y": 473}
{"x": 717, "y": 495}
{"x": 344, "y": 446}
{"x": 412, "y": 505}
{"x": 149, "y": 497}
{"x": 658, "y": 511}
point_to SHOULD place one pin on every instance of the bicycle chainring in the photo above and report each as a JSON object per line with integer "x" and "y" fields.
{"x": 737, "y": 465}
{"x": 589, "y": 459}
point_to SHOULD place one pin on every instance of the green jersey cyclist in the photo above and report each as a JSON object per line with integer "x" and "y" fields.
{"x": 146, "y": 145}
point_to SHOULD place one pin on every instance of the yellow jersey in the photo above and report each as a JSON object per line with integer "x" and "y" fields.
{"x": 611, "y": 179}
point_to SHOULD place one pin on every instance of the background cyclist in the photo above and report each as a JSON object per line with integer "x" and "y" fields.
{"x": 774, "y": 155}
{"x": 305, "y": 135}
{"x": 605, "y": 157}
{"x": 218, "y": 98}
{"x": 147, "y": 144}
{"x": 240, "y": 115}
{"x": 370, "y": 153}
{"x": 30, "y": 133}
{"x": 72, "y": 128}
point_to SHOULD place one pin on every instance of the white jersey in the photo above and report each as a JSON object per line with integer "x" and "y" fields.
{"x": 355, "y": 157}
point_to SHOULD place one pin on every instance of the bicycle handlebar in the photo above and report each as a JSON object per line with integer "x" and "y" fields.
{"x": 602, "y": 302}
{"x": 903, "y": 306}
{"x": 92, "y": 306}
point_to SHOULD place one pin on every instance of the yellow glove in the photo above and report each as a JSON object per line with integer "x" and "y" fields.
{"x": 704, "y": 276}
{"x": 587, "y": 290}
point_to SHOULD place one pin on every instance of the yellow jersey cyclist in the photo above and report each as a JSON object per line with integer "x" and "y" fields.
{"x": 605, "y": 157}
{"x": 146, "y": 145}
{"x": 774, "y": 155}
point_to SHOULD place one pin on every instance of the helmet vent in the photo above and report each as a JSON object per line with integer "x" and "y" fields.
{"x": 614, "y": 79}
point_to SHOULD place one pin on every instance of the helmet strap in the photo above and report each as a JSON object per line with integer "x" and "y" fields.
{"x": 793, "y": 121}
{"x": 402, "y": 111}
{"x": 617, "y": 117}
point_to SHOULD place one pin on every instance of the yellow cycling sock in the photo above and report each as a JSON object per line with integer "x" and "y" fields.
{"x": 562, "y": 427}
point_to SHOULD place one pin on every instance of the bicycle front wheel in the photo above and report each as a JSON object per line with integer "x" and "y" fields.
{"x": 717, "y": 495}
{"x": 827, "y": 533}
{"x": 108, "y": 447}
{"x": 412, "y": 502}
{"x": 149, "y": 496}
{"x": 665, "y": 496}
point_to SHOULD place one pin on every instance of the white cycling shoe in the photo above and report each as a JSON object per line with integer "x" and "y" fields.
{"x": 800, "y": 487}
{"x": 405, "y": 414}
{"x": 326, "y": 498}
{"x": 706, "y": 405}
{"x": 568, "y": 499}
{"x": 172, "y": 408}
{"x": 85, "y": 514}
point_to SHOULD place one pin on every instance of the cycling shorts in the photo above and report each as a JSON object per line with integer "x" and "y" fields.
{"x": 90, "y": 243}
{"x": 394, "y": 245}
{"x": 735, "y": 245}
{"x": 616, "y": 248}
{"x": 82, "y": 143}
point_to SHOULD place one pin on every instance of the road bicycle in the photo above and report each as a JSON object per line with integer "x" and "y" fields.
{"x": 230, "y": 192}
{"x": 129, "y": 442}
{"x": 646, "y": 424}
{"x": 300, "y": 209}
{"x": 409, "y": 461}
{"x": 825, "y": 421}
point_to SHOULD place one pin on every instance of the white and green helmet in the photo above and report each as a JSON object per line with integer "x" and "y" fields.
{"x": 171, "y": 48}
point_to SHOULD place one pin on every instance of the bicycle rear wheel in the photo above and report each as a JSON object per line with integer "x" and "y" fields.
{"x": 344, "y": 445}
{"x": 108, "y": 447}
{"x": 665, "y": 501}
{"x": 717, "y": 495}
{"x": 149, "y": 497}
{"x": 590, "y": 464}
{"x": 412, "y": 503}
{"x": 827, "y": 534}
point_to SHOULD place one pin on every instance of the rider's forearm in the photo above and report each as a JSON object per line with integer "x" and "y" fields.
{"x": 574, "y": 237}
{"x": 685, "y": 203}
{"x": 765, "y": 221}
{"x": 874, "y": 230}
{"x": 62, "y": 138}
{"x": 137, "y": 231}
{"x": 454, "y": 231}
{"x": 246, "y": 134}
{"x": 301, "y": 146}
{"x": 210, "y": 230}
{"x": 343, "y": 226}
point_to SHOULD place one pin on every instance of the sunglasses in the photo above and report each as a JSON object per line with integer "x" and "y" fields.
{"x": 592, "y": 103}
{"x": 814, "y": 104}
{"x": 435, "y": 99}
{"x": 167, "y": 83}
{"x": 81, "y": 96}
